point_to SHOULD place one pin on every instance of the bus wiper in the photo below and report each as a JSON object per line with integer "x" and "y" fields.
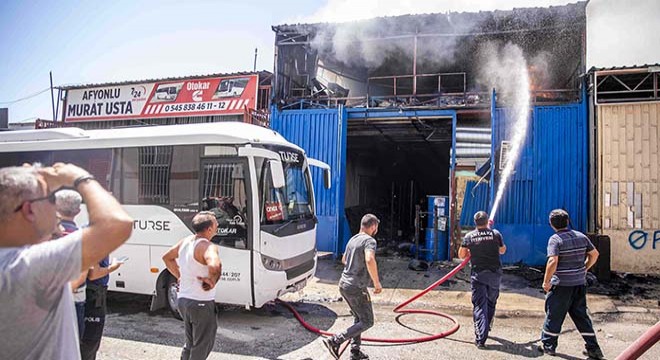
{"x": 287, "y": 223}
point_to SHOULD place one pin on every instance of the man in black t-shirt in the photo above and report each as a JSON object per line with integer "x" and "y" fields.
{"x": 485, "y": 247}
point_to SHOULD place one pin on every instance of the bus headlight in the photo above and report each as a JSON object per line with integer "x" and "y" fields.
{"x": 271, "y": 264}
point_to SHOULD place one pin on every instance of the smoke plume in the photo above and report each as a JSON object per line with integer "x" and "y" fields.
{"x": 504, "y": 68}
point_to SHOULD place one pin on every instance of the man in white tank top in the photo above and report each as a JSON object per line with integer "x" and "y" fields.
{"x": 195, "y": 262}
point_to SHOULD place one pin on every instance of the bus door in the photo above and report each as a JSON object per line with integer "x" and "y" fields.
{"x": 224, "y": 190}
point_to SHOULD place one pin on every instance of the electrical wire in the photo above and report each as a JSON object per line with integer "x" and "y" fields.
{"x": 25, "y": 97}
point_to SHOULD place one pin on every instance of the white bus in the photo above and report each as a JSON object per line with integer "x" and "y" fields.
{"x": 167, "y": 92}
{"x": 257, "y": 183}
{"x": 231, "y": 88}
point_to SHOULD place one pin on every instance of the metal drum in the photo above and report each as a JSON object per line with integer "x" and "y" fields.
{"x": 438, "y": 209}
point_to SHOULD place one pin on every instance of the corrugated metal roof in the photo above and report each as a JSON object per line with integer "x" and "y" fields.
{"x": 569, "y": 11}
{"x": 128, "y": 82}
{"x": 628, "y": 67}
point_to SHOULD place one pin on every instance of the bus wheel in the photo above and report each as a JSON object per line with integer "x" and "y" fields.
{"x": 172, "y": 297}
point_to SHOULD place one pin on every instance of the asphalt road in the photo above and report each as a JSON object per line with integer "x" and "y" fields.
{"x": 272, "y": 333}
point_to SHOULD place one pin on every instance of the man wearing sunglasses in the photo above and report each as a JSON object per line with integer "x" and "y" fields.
{"x": 38, "y": 318}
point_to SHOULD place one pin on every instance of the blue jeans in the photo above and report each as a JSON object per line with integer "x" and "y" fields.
{"x": 572, "y": 300}
{"x": 485, "y": 286}
{"x": 80, "y": 315}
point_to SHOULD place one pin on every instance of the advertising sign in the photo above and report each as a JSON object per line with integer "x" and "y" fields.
{"x": 194, "y": 97}
{"x": 273, "y": 211}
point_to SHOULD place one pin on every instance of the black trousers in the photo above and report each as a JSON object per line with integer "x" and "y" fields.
{"x": 201, "y": 324}
{"x": 560, "y": 301}
{"x": 485, "y": 291}
{"x": 95, "y": 310}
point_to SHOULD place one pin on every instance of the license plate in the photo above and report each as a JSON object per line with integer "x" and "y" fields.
{"x": 300, "y": 285}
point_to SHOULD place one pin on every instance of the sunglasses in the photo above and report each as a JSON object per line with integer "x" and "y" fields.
{"x": 50, "y": 197}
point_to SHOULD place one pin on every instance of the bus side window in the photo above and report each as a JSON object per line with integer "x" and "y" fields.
{"x": 184, "y": 179}
{"x": 96, "y": 161}
{"x": 224, "y": 194}
{"x": 18, "y": 159}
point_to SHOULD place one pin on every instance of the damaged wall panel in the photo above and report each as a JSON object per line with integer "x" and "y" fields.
{"x": 629, "y": 166}
{"x": 551, "y": 173}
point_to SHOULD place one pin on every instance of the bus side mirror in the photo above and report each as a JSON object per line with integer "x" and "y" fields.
{"x": 327, "y": 178}
{"x": 277, "y": 173}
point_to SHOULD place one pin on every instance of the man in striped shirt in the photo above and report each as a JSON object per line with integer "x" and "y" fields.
{"x": 570, "y": 255}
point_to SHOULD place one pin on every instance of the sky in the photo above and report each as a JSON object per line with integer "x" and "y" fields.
{"x": 86, "y": 42}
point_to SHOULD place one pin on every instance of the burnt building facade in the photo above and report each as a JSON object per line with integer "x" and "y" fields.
{"x": 407, "y": 107}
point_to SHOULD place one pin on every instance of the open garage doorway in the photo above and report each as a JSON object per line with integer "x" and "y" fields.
{"x": 393, "y": 164}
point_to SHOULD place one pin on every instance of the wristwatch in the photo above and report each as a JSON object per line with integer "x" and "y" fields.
{"x": 83, "y": 179}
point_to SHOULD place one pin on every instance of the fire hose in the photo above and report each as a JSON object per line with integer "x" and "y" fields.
{"x": 642, "y": 344}
{"x": 399, "y": 310}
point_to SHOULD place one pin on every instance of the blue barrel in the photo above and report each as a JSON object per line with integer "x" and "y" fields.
{"x": 442, "y": 246}
{"x": 442, "y": 203}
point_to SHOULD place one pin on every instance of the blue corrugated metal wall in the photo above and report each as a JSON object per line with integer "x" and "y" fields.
{"x": 322, "y": 134}
{"x": 552, "y": 172}
{"x": 475, "y": 199}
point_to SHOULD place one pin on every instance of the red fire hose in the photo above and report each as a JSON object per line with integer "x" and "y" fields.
{"x": 645, "y": 342}
{"x": 399, "y": 309}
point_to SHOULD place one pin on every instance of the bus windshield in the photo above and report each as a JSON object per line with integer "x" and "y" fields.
{"x": 291, "y": 202}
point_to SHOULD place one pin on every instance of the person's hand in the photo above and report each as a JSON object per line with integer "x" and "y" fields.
{"x": 491, "y": 222}
{"x": 207, "y": 282}
{"x": 547, "y": 286}
{"x": 378, "y": 288}
{"x": 61, "y": 175}
{"x": 114, "y": 265}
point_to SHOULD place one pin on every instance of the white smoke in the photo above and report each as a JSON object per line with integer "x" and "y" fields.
{"x": 354, "y": 40}
{"x": 350, "y": 10}
{"x": 369, "y": 43}
{"x": 353, "y": 44}
{"x": 504, "y": 68}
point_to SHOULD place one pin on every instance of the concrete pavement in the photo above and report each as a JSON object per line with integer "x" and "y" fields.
{"x": 517, "y": 296}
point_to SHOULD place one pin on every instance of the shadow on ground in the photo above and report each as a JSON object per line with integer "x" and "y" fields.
{"x": 268, "y": 332}
{"x": 394, "y": 272}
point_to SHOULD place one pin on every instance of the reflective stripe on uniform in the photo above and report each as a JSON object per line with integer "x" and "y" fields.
{"x": 549, "y": 333}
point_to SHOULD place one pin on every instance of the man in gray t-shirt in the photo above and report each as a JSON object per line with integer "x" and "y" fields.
{"x": 355, "y": 272}
{"x": 38, "y": 317}
{"x": 359, "y": 265}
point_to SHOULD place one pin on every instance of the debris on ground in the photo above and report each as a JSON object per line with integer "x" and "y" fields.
{"x": 320, "y": 298}
{"x": 630, "y": 287}
{"x": 622, "y": 286}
